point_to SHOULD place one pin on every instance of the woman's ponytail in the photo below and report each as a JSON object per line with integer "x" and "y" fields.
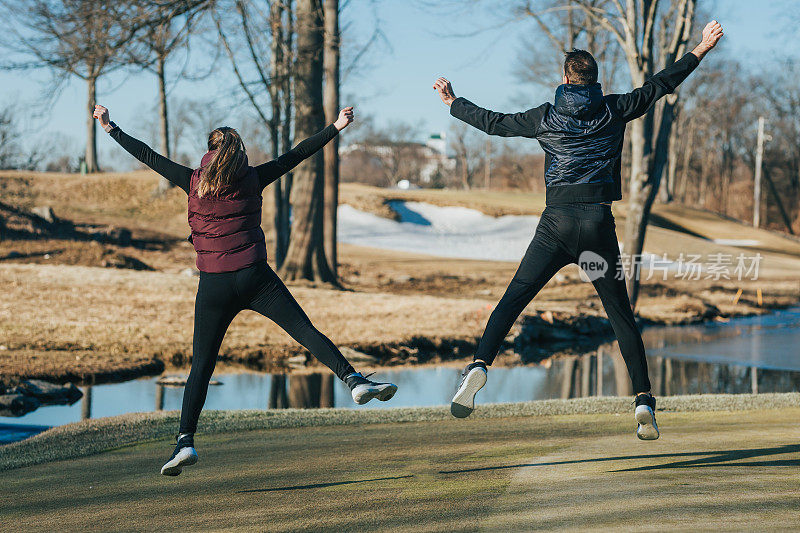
{"x": 220, "y": 172}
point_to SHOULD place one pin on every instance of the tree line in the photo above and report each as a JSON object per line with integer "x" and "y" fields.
{"x": 695, "y": 146}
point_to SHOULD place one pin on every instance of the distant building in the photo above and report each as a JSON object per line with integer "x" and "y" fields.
{"x": 411, "y": 162}
{"x": 437, "y": 158}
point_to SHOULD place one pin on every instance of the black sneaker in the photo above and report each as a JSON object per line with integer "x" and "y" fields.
{"x": 363, "y": 390}
{"x": 184, "y": 455}
{"x": 645, "y": 415}
{"x": 472, "y": 380}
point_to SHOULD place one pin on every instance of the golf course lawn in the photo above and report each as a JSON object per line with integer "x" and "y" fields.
{"x": 710, "y": 470}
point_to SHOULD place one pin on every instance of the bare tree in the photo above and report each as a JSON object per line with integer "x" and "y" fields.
{"x": 469, "y": 153}
{"x": 331, "y": 60}
{"x": 782, "y": 100}
{"x": 262, "y": 65}
{"x": 282, "y": 23}
{"x": 651, "y": 37}
{"x": 78, "y": 38}
{"x": 565, "y": 27}
{"x": 150, "y": 51}
{"x": 12, "y": 153}
{"x": 305, "y": 258}
{"x": 82, "y": 38}
{"x": 8, "y": 138}
{"x": 189, "y": 129}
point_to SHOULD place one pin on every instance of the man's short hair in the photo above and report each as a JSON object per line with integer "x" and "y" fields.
{"x": 580, "y": 67}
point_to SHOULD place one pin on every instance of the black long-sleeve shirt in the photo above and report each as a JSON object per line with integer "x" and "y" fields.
{"x": 634, "y": 104}
{"x": 582, "y": 134}
{"x": 628, "y": 106}
{"x": 181, "y": 175}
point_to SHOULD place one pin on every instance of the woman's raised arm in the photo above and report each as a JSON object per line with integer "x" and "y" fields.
{"x": 177, "y": 174}
{"x": 272, "y": 170}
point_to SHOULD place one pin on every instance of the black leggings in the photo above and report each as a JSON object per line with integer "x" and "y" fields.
{"x": 572, "y": 233}
{"x": 220, "y": 297}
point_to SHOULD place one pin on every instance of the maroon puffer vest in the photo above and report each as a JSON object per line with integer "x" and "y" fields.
{"x": 226, "y": 228}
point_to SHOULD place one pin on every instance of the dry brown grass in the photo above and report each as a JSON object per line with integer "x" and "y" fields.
{"x": 52, "y": 314}
{"x": 72, "y": 322}
{"x": 60, "y": 319}
{"x": 107, "y": 198}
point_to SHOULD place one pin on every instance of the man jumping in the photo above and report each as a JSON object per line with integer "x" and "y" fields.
{"x": 582, "y": 136}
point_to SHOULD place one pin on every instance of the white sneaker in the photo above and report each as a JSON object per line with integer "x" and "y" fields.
{"x": 183, "y": 455}
{"x": 472, "y": 380}
{"x": 645, "y": 415}
{"x": 364, "y": 390}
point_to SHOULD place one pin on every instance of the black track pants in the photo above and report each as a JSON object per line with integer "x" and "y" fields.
{"x": 219, "y": 298}
{"x": 564, "y": 233}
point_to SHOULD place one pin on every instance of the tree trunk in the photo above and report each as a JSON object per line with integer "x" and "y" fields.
{"x": 305, "y": 258}
{"x": 650, "y": 134}
{"x": 666, "y": 192}
{"x": 464, "y": 172}
{"x": 162, "y": 106}
{"x": 164, "y": 184}
{"x": 635, "y": 214}
{"x": 286, "y": 130}
{"x": 91, "y": 128}
{"x": 280, "y": 206}
{"x": 331, "y": 66}
{"x": 644, "y": 186}
{"x": 705, "y": 171}
{"x": 687, "y": 158}
{"x": 277, "y": 68}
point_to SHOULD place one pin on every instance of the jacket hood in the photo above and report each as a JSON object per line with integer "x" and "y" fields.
{"x": 579, "y": 101}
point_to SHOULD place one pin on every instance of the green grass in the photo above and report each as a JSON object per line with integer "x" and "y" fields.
{"x": 723, "y": 470}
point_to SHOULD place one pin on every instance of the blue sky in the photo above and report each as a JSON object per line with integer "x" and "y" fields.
{"x": 395, "y": 82}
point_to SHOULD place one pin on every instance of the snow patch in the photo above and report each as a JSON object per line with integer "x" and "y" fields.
{"x": 456, "y": 232}
{"x": 737, "y": 242}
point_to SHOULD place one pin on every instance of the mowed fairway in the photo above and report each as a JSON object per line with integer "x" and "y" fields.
{"x": 710, "y": 471}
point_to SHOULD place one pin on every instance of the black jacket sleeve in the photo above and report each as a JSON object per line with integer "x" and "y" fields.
{"x": 177, "y": 174}
{"x": 634, "y": 104}
{"x": 524, "y": 124}
{"x": 272, "y": 170}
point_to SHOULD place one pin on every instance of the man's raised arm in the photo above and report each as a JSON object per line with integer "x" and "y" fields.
{"x": 636, "y": 103}
{"x": 524, "y": 124}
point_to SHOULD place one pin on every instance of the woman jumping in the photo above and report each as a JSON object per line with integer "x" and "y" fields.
{"x": 225, "y": 219}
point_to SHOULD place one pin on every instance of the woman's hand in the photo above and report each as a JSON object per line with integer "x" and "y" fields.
{"x": 445, "y": 90}
{"x": 101, "y": 114}
{"x": 346, "y": 116}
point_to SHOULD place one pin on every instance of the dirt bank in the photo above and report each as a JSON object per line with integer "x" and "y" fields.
{"x": 70, "y": 323}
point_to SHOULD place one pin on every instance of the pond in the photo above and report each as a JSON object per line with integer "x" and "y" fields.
{"x": 755, "y": 354}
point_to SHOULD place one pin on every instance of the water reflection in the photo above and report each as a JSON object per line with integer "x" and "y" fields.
{"x": 754, "y": 354}
{"x": 601, "y": 373}
{"x": 86, "y": 402}
{"x": 766, "y": 341}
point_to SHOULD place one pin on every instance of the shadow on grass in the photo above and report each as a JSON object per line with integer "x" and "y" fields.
{"x": 331, "y": 484}
{"x": 662, "y": 222}
{"x": 717, "y": 458}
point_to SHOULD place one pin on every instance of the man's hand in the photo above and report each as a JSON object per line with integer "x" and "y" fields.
{"x": 346, "y": 116}
{"x": 445, "y": 90}
{"x": 712, "y": 33}
{"x": 101, "y": 114}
